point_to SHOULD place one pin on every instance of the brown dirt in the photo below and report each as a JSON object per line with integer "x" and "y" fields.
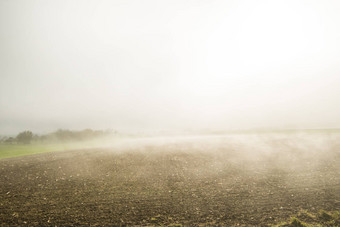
{"x": 163, "y": 185}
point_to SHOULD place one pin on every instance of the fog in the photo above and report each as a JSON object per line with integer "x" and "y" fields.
{"x": 247, "y": 179}
{"x": 168, "y": 65}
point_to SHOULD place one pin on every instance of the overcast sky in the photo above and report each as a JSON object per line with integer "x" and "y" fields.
{"x": 169, "y": 64}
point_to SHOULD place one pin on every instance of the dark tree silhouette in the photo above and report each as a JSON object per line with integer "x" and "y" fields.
{"x": 24, "y": 137}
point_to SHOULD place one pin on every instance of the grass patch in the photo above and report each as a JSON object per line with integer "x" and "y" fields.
{"x": 9, "y": 151}
{"x": 295, "y": 222}
{"x": 307, "y": 219}
{"x": 325, "y": 216}
{"x": 16, "y": 150}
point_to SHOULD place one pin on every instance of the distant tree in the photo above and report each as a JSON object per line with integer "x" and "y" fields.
{"x": 36, "y": 137}
{"x": 9, "y": 140}
{"x": 64, "y": 135}
{"x": 24, "y": 137}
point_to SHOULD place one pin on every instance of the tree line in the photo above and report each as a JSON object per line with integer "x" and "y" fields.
{"x": 62, "y": 135}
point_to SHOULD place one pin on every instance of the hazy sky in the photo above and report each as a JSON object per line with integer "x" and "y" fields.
{"x": 169, "y": 64}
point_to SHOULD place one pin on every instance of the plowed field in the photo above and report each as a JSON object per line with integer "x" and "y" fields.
{"x": 220, "y": 181}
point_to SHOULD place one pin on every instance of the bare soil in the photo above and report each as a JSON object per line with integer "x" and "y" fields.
{"x": 168, "y": 184}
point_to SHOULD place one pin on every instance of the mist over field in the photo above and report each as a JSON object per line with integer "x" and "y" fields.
{"x": 287, "y": 179}
{"x": 169, "y": 113}
{"x": 168, "y": 65}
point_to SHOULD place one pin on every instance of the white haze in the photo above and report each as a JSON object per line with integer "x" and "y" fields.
{"x": 169, "y": 64}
